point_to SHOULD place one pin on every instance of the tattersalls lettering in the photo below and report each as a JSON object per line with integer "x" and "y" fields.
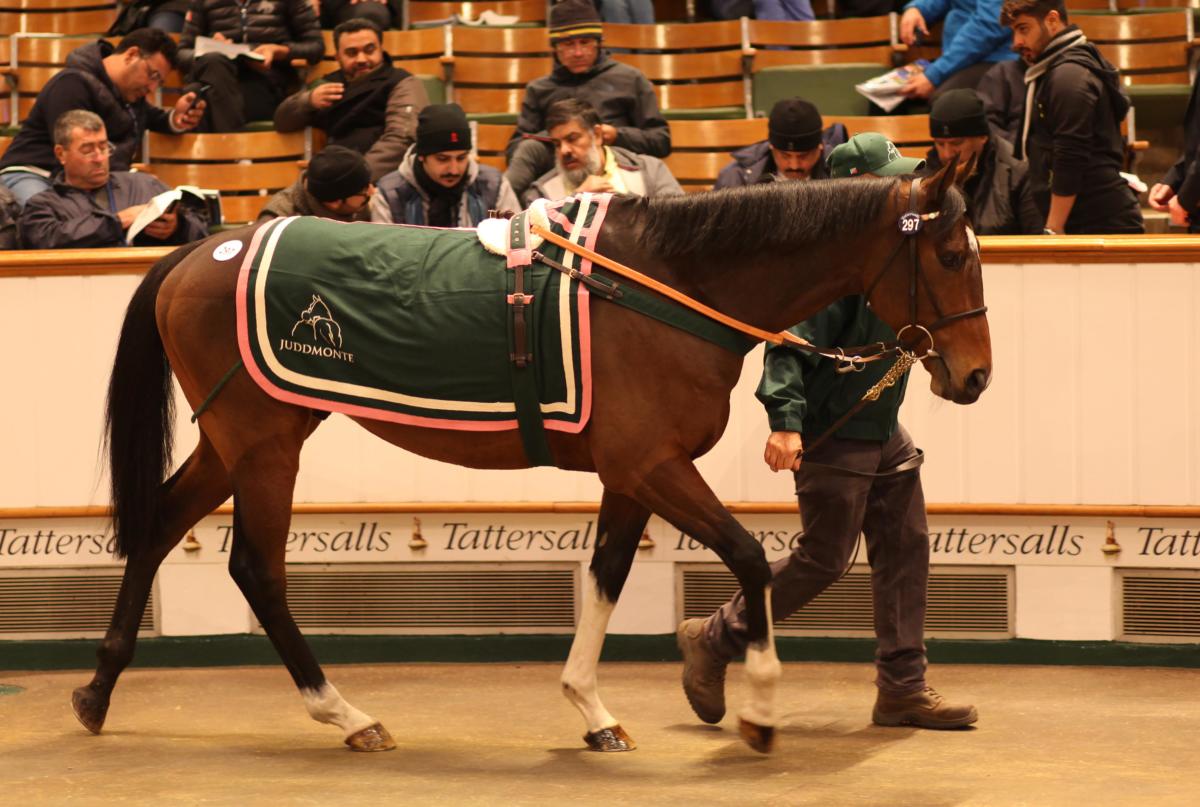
{"x": 771, "y": 540}
{"x": 1160, "y": 543}
{"x": 47, "y": 543}
{"x": 502, "y": 538}
{"x": 961, "y": 541}
{"x": 366, "y": 538}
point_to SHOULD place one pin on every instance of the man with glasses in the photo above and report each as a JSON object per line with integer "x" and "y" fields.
{"x": 623, "y": 97}
{"x": 115, "y": 83}
{"x": 337, "y": 185}
{"x": 90, "y": 205}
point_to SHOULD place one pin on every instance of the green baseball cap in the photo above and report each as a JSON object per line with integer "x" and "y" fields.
{"x": 870, "y": 153}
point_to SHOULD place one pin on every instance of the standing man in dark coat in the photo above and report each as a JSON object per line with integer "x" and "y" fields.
{"x": 621, "y": 94}
{"x": 366, "y": 105}
{"x": 1072, "y": 129}
{"x": 245, "y": 88}
{"x": 999, "y": 200}
{"x": 864, "y": 479}
{"x": 1179, "y": 191}
{"x": 113, "y": 82}
{"x": 795, "y": 148}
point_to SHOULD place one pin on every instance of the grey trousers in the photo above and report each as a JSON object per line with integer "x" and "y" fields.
{"x": 834, "y": 509}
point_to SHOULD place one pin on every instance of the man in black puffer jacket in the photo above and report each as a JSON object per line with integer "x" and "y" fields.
{"x": 999, "y": 200}
{"x": 1072, "y": 130}
{"x": 244, "y": 88}
{"x": 113, "y": 82}
{"x": 621, "y": 94}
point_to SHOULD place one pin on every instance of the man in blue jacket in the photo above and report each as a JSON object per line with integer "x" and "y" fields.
{"x": 972, "y": 41}
{"x": 796, "y": 146}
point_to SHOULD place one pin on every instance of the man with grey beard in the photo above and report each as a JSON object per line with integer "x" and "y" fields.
{"x": 584, "y": 164}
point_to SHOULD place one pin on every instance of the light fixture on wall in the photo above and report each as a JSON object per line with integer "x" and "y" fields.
{"x": 417, "y": 541}
{"x": 1111, "y": 547}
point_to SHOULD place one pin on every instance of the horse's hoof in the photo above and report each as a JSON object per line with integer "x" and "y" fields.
{"x": 372, "y": 738}
{"x": 610, "y": 739}
{"x": 760, "y": 738}
{"x": 90, "y": 709}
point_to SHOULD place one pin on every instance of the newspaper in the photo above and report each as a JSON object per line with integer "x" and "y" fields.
{"x": 160, "y": 204}
{"x": 884, "y": 91}
{"x": 206, "y": 45}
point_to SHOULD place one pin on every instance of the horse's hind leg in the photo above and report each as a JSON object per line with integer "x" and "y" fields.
{"x": 675, "y": 490}
{"x": 621, "y": 522}
{"x": 263, "y": 481}
{"x": 199, "y": 485}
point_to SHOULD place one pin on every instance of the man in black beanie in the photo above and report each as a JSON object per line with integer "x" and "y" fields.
{"x": 622, "y": 95}
{"x": 439, "y": 183}
{"x": 795, "y": 148}
{"x": 999, "y": 199}
{"x": 337, "y": 185}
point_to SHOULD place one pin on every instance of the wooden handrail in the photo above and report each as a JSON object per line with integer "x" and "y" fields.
{"x": 743, "y": 508}
{"x": 995, "y": 249}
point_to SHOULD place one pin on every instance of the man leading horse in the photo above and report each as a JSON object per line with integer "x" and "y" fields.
{"x": 864, "y": 477}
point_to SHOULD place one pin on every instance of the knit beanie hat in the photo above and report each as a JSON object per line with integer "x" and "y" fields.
{"x": 794, "y": 125}
{"x": 958, "y": 113}
{"x": 337, "y": 172}
{"x": 574, "y": 18}
{"x": 442, "y": 127}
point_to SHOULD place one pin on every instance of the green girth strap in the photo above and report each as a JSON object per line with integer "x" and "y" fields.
{"x": 216, "y": 390}
{"x": 524, "y": 363}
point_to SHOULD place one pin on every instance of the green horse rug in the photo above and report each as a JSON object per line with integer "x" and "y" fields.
{"x": 414, "y": 325}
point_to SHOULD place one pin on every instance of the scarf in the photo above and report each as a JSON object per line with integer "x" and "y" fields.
{"x": 444, "y": 202}
{"x": 1070, "y": 38}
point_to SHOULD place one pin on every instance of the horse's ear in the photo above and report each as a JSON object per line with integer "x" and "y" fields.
{"x": 965, "y": 170}
{"x": 938, "y": 185}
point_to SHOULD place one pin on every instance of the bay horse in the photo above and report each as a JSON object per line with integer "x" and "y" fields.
{"x": 771, "y": 256}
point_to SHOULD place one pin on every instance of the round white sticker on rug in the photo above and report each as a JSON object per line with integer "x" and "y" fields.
{"x": 227, "y": 250}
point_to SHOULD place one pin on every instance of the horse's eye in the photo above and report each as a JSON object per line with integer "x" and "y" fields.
{"x": 951, "y": 260}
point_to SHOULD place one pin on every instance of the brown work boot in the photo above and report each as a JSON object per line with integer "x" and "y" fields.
{"x": 924, "y": 708}
{"x": 703, "y": 672}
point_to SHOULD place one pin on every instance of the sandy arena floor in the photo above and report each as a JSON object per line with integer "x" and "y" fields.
{"x": 501, "y": 734}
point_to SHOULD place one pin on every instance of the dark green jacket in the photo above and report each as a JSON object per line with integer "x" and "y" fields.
{"x": 802, "y": 393}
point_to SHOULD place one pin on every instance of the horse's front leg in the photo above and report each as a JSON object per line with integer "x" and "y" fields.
{"x": 620, "y": 527}
{"x": 675, "y": 490}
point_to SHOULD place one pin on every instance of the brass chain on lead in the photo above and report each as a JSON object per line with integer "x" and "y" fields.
{"x": 904, "y": 361}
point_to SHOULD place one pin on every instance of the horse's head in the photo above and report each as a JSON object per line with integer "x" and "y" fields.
{"x": 941, "y": 296}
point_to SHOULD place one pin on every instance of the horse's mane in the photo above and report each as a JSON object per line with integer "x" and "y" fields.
{"x": 772, "y": 216}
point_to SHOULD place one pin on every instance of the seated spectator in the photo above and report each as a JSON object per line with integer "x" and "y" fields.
{"x": 112, "y": 82}
{"x": 1002, "y": 89}
{"x": 336, "y": 185}
{"x": 367, "y": 104}
{"x": 584, "y": 164}
{"x": 1179, "y": 191}
{"x": 381, "y": 12}
{"x": 439, "y": 183}
{"x": 1073, "y": 144}
{"x": 783, "y": 10}
{"x": 91, "y": 206}
{"x": 245, "y": 89}
{"x": 639, "y": 12}
{"x": 997, "y": 192}
{"x": 972, "y": 41}
{"x": 622, "y": 96}
{"x": 10, "y": 212}
{"x": 795, "y": 148}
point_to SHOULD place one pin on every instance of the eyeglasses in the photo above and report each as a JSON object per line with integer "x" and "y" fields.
{"x": 93, "y": 149}
{"x": 155, "y": 76}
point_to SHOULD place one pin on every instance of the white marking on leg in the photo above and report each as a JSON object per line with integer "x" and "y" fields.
{"x": 579, "y": 674}
{"x": 326, "y": 705}
{"x": 762, "y": 673}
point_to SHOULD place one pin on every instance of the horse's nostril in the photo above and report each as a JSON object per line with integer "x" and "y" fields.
{"x": 977, "y": 381}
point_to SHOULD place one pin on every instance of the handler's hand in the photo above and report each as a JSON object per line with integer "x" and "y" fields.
{"x": 1160, "y": 194}
{"x": 784, "y": 451}
{"x": 910, "y": 22}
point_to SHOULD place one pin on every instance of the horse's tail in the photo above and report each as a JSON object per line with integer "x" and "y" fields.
{"x": 140, "y": 414}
